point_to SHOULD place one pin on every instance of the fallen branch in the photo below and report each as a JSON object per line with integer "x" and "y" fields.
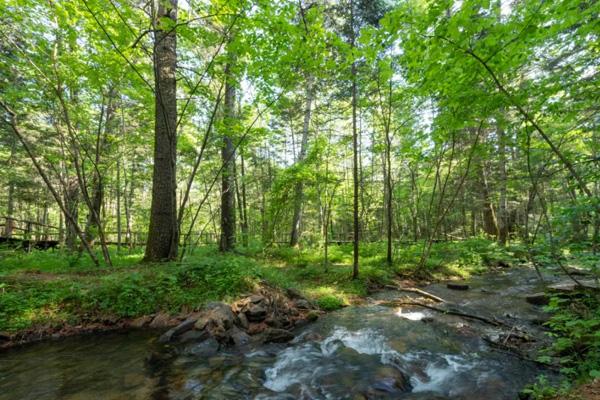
{"x": 489, "y": 321}
{"x": 509, "y": 335}
{"x": 513, "y": 351}
{"x": 417, "y": 291}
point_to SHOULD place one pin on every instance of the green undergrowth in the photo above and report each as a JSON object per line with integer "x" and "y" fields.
{"x": 447, "y": 259}
{"x": 52, "y": 288}
{"x": 52, "y": 299}
{"x": 574, "y": 326}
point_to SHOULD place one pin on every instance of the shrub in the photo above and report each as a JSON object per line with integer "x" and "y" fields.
{"x": 330, "y": 303}
{"x": 575, "y": 327}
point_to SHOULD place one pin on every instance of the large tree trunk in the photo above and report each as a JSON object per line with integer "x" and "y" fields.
{"x": 299, "y": 190}
{"x": 227, "y": 242}
{"x": 163, "y": 233}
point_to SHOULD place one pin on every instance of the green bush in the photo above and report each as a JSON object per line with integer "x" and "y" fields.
{"x": 330, "y": 303}
{"x": 575, "y": 327}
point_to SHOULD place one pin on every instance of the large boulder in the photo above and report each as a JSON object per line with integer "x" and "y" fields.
{"x": 178, "y": 330}
{"x": 217, "y": 318}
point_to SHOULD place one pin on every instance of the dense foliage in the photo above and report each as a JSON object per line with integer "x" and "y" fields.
{"x": 436, "y": 137}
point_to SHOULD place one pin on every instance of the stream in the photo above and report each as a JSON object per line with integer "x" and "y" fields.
{"x": 370, "y": 351}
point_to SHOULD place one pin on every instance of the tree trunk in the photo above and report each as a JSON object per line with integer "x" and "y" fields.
{"x": 118, "y": 193}
{"x": 388, "y": 177}
{"x": 503, "y": 220}
{"x": 227, "y": 242}
{"x": 10, "y": 201}
{"x": 91, "y": 227}
{"x": 71, "y": 200}
{"x": 244, "y": 204}
{"x": 299, "y": 190}
{"x": 355, "y": 238}
{"x": 128, "y": 200}
{"x": 490, "y": 223}
{"x": 163, "y": 233}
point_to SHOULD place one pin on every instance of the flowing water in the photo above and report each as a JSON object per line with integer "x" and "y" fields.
{"x": 370, "y": 351}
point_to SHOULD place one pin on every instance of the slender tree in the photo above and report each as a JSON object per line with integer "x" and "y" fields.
{"x": 227, "y": 241}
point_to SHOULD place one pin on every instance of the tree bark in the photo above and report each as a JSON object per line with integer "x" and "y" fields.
{"x": 71, "y": 200}
{"x": 355, "y": 197}
{"x": 227, "y": 241}
{"x": 503, "y": 217}
{"x": 127, "y": 203}
{"x": 163, "y": 233}
{"x": 118, "y": 193}
{"x": 299, "y": 189}
{"x": 10, "y": 202}
{"x": 490, "y": 222}
{"x": 244, "y": 203}
{"x": 388, "y": 174}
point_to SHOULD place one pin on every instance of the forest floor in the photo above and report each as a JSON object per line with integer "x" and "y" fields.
{"x": 588, "y": 391}
{"x": 51, "y": 293}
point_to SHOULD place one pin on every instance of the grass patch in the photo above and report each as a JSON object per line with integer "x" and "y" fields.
{"x": 330, "y": 302}
{"x": 56, "y": 298}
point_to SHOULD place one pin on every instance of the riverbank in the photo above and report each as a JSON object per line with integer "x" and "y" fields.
{"x": 52, "y": 294}
{"x": 370, "y": 350}
{"x": 44, "y": 295}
